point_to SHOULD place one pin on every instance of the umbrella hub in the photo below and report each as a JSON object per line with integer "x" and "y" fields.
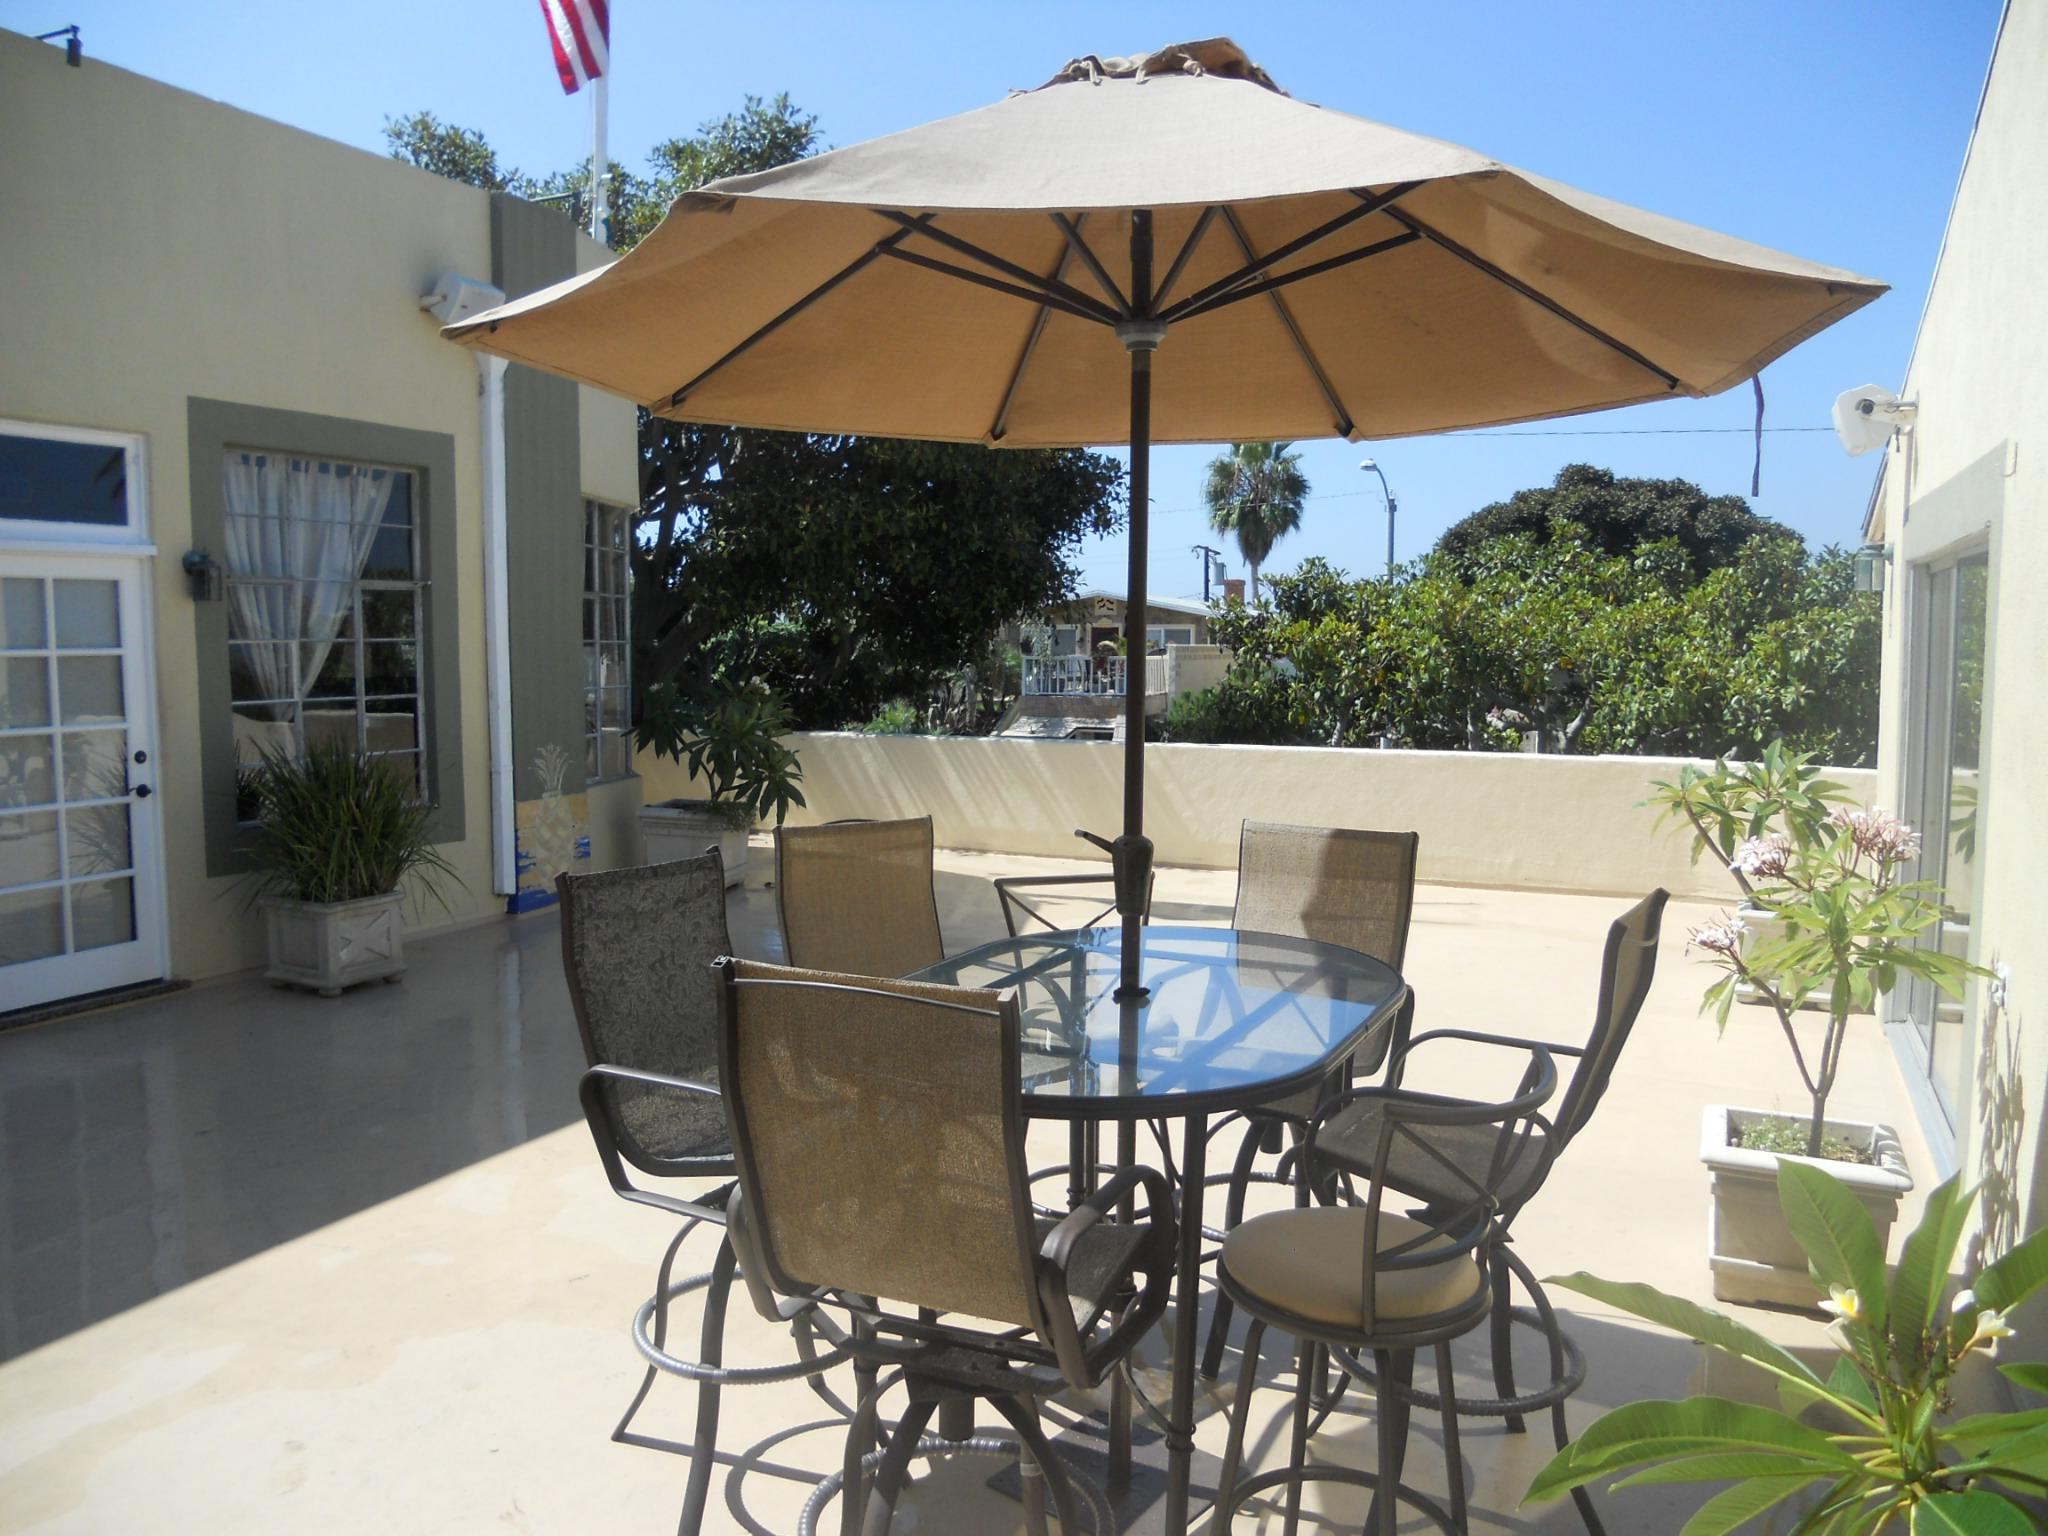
{"x": 1219, "y": 56}
{"x": 1141, "y": 335}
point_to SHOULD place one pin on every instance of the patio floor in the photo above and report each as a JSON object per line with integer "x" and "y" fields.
{"x": 275, "y": 1263}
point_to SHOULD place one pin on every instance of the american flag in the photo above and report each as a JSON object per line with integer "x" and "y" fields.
{"x": 581, "y": 32}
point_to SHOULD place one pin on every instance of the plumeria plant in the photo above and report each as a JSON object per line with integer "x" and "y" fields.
{"x": 1844, "y": 924}
{"x": 1872, "y": 1449}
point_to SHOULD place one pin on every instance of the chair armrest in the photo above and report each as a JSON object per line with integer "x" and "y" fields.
{"x": 1539, "y": 1081}
{"x": 1397, "y": 1058}
{"x": 597, "y": 1114}
{"x": 1076, "y": 1361}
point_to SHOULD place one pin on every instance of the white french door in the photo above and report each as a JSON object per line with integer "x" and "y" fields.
{"x": 81, "y": 890}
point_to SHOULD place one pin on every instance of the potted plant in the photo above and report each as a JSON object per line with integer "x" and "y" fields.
{"x": 1840, "y": 927}
{"x": 732, "y": 743}
{"x": 337, "y": 836}
{"x": 1873, "y": 1447}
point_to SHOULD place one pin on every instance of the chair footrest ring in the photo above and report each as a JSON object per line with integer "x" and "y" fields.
{"x": 1527, "y": 1403}
{"x": 727, "y": 1375}
{"x": 1279, "y": 1477}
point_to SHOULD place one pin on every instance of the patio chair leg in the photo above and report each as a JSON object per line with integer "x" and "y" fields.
{"x": 1395, "y": 1370}
{"x": 1503, "y": 1327}
{"x": 1038, "y": 1464}
{"x": 1454, "y": 1461}
{"x": 1306, "y": 1356}
{"x": 1233, "y": 1214}
{"x": 704, "y": 1448}
{"x": 881, "y": 1500}
{"x": 661, "y": 1282}
{"x": 1240, "y": 1415}
{"x": 1553, "y": 1336}
{"x": 860, "y": 1439}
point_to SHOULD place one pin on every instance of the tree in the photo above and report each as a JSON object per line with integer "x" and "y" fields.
{"x": 1256, "y": 492}
{"x": 1618, "y": 514}
{"x": 842, "y": 571}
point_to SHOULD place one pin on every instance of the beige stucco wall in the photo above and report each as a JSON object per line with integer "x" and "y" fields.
{"x": 1976, "y": 471}
{"x": 159, "y": 246}
{"x": 1504, "y": 819}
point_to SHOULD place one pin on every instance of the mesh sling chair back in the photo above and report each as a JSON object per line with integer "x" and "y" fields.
{"x": 1349, "y": 1143}
{"x": 1350, "y": 1279}
{"x": 857, "y": 897}
{"x": 1337, "y": 885}
{"x": 879, "y": 1131}
{"x": 637, "y": 949}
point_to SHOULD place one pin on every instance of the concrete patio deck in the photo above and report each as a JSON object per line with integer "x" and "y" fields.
{"x": 271, "y": 1263}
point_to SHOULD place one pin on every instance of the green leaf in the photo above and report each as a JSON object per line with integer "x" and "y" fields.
{"x": 2029, "y": 1374}
{"x": 1652, "y": 1431}
{"x": 2005, "y": 1284}
{"x": 1975, "y": 1513}
{"x": 1721, "y": 1466}
{"x": 1704, "y": 1324}
{"x": 1737, "y": 1506}
{"x": 1922, "y": 1275}
{"x": 1837, "y": 1234}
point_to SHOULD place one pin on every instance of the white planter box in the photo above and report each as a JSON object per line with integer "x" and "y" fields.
{"x": 671, "y": 832}
{"x": 331, "y": 945}
{"x": 1750, "y": 1249}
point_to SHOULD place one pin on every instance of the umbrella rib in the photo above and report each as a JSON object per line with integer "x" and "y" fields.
{"x": 1054, "y": 290}
{"x": 1314, "y": 269}
{"x": 1187, "y": 251}
{"x": 1072, "y": 231}
{"x": 1001, "y": 424}
{"x": 1031, "y": 295}
{"x": 1536, "y": 296}
{"x": 1369, "y": 204}
{"x": 1343, "y": 422}
{"x": 789, "y": 314}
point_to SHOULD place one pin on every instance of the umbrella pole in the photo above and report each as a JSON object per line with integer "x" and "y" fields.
{"x": 1132, "y": 857}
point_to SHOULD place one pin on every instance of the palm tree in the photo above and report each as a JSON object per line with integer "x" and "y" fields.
{"x": 1255, "y": 491}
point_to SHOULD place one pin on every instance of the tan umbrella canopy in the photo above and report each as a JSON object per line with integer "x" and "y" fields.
{"x": 1302, "y": 273}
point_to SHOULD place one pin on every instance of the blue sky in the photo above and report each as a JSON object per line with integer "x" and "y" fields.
{"x": 1834, "y": 132}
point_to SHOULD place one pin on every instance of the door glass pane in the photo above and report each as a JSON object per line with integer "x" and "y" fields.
{"x": 1955, "y": 798}
{"x": 28, "y": 848}
{"x": 25, "y": 777}
{"x": 96, "y": 839}
{"x": 31, "y": 925}
{"x": 48, "y": 481}
{"x": 95, "y": 765}
{"x": 88, "y": 614}
{"x": 102, "y": 913}
{"x": 89, "y": 690}
{"x": 21, "y": 613}
{"x": 24, "y": 691}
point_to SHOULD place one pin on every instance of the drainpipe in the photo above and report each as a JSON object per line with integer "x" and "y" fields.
{"x": 455, "y": 298}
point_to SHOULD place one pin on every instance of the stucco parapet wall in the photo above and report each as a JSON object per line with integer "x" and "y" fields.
{"x": 1495, "y": 819}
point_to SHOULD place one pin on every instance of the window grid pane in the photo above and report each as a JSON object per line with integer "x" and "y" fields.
{"x": 607, "y": 581}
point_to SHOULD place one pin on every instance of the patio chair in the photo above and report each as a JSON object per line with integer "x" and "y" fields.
{"x": 637, "y": 947}
{"x": 880, "y": 1134}
{"x": 1346, "y": 1280}
{"x": 1336, "y": 885}
{"x": 1351, "y": 1143}
{"x": 857, "y": 897}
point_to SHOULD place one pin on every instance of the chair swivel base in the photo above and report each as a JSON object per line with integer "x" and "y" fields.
{"x": 1227, "y": 1504}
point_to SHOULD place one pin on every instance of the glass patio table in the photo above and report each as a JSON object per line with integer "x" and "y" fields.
{"x": 1231, "y": 1019}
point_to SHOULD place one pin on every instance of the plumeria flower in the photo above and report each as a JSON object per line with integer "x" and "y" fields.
{"x": 1965, "y": 1299}
{"x": 1720, "y": 938}
{"x": 1764, "y": 857}
{"x": 1844, "y": 1303}
{"x": 1877, "y": 833}
{"x": 1991, "y": 1326}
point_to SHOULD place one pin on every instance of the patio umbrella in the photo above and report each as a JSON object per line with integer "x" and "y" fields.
{"x": 1164, "y": 248}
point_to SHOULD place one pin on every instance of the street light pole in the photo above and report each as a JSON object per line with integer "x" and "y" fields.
{"x": 1391, "y": 508}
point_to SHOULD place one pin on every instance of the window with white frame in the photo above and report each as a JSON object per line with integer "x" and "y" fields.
{"x": 325, "y": 609}
{"x": 607, "y": 655}
{"x": 1170, "y": 634}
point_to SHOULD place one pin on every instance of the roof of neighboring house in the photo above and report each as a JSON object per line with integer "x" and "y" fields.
{"x": 1193, "y": 606}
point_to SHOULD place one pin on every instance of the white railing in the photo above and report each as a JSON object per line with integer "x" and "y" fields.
{"x": 1155, "y": 676}
{"x": 1071, "y": 675}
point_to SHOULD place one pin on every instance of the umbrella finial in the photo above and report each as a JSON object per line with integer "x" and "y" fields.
{"x": 1218, "y": 56}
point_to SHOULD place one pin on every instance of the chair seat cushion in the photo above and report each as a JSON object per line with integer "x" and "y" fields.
{"x": 1350, "y": 1140}
{"x": 1311, "y": 1263}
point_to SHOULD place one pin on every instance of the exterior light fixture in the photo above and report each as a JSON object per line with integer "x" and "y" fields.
{"x": 74, "y": 48}
{"x": 1869, "y": 564}
{"x": 1373, "y": 466}
{"x": 208, "y": 577}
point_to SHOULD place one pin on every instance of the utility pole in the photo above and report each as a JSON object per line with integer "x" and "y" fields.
{"x": 1210, "y": 557}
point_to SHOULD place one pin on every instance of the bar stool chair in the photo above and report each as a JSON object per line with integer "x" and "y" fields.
{"x": 1351, "y": 1280}
{"x": 858, "y": 898}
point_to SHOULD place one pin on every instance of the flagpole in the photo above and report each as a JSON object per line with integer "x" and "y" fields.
{"x": 600, "y": 166}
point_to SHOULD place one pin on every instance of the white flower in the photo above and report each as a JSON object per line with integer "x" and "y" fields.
{"x": 1965, "y": 1299}
{"x": 1764, "y": 856}
{"x": 1720, "y": 938}
{"x": 1878, "y": 833}
{"x": 1991, "y": 1325}
{"x": 1844, "y": 1303}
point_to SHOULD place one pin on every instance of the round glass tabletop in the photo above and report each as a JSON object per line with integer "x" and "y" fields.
{"x": 1232, "y": 1018}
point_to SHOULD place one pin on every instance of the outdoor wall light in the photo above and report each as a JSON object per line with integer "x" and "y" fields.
{"x": 208, "y": 576}
{"x": 74, "y": 49}
{"x": 1869, "y": 564}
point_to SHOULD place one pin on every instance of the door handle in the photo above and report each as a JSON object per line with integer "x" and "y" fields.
{"x": 140, "y": 791}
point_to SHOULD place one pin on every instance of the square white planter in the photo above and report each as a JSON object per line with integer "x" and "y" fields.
{"x": 1750, "y": 1249}
{"x": 331, "y": 945}
{"x": 671, "y": 832}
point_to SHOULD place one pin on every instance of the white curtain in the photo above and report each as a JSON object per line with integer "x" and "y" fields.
{"x": 306, "y": 526}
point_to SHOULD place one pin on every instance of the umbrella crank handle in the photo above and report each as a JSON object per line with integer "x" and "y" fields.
{"x": 1131, "y": 860}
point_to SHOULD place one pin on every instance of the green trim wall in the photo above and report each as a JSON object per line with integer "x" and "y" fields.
{"x": 214, "y": 426}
